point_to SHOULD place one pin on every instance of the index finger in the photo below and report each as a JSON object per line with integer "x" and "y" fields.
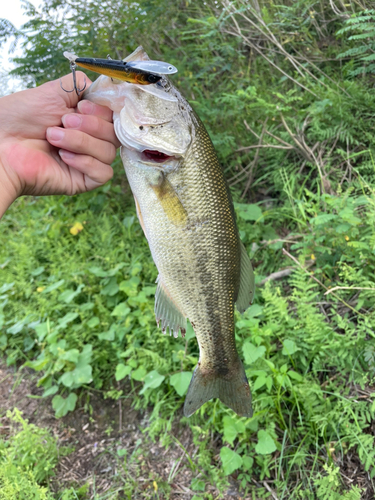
{"x": 86, "y": 107}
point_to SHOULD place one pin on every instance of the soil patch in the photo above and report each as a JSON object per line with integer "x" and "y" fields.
{"x": 111, "y": 447}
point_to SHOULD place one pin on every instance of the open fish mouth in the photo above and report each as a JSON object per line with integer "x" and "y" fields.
{"x": 156, "y": 156}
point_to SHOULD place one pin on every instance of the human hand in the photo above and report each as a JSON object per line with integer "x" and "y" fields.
{"x": 52, "y": 144}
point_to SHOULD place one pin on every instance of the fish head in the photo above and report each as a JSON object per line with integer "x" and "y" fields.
{"x": 154, "y": 123}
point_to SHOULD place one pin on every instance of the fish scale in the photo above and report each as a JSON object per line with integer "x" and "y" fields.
{"x": 186, "y": 211}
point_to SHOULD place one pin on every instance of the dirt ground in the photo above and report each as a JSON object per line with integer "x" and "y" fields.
{"x": 96, "y": 439}
{"x": 99, "y": 433}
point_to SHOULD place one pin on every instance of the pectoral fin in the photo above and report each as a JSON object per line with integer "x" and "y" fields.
{"x": 247, "y": 284}
{"x": 167, "y": 312}
{"x": 170, "y": 201}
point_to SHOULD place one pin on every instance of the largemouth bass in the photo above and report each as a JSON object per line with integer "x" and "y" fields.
{"x": 186, "y": 212}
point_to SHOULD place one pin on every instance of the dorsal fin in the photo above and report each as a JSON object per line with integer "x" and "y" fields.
{"x": 138, "y": 55}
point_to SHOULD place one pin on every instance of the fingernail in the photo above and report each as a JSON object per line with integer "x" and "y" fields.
{"x": 66, "y": 155}
{"x": 55, "y": 134}
{"x": 71, "y": 121}
{"x": 86, "y": 107}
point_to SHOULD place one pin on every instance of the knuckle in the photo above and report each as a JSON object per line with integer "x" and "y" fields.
{"x": 82, "y": 141}
{"x": 87, "y": 161}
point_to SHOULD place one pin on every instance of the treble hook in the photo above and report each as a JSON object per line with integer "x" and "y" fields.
{"x": 75, "y": 88}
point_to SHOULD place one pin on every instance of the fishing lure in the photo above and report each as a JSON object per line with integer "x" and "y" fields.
{"x": 140, "y": 72}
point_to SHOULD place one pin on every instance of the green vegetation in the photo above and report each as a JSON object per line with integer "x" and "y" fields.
{"x": 295, "y": 83}
{"x": 27, "y": 461}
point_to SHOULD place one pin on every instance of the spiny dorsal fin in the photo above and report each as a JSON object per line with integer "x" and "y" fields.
{"x": 167, "y": 312}
{"x": 247, "y": 285}
{"x": 138, "y": 55}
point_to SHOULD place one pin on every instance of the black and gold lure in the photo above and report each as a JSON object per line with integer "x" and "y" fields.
{"x": 140, "y": 72}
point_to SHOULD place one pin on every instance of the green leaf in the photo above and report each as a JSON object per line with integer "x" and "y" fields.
{"x": 128, "y": 221}
{"x": 17, "y": 327}
{"x": 54, "y": 286}
{"x": 50, "y": 392}
{"x": 295, "y": 376}
{"x": 247, "y": 462}
{"x": 136, "y": 268}
{"x": 6, "y": 287}
{"x": 232, "y": 427}
{"x": 111, "y": 288}
{"x": 130, "y": 287}
{"x": 152, "y": 381}
{"x": 63, "y": 406}
{"x": 85, "y": 356}
{"x": 139, "y": 374}
{"x": 290, "y": 347}
{"x": 190, "y": 334}
{"x": 110, "y": 335}
{"x": 93, "y": 322}
{"x": 254, "y": 310}
{"x": 41, "y": 330}
{"x": 266, "y": 444}
{"x": 252, "y": 353}
{"x": 71, "y": 355}
{"x": 121, "y": 310}
{"x": 98, "y": 271}
{"x": 260, "y": 381}
{"x": 69, "y": 295}
{"x": 322, "y": 219}
{"x": 180, "y": 381}
{"x": 39, "y": 363}
{"x": 230, "y": 459}
{"x": 198, "y": 484}
{"x": 68, "y": 318}
{"x": 122, "y": 371}
{"x": 248, "y": 211}
{"x": 37, "y": 271}
{"x": 77, "y": 377}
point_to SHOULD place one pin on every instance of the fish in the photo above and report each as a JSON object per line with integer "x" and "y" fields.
{"x": 186, "y": 212}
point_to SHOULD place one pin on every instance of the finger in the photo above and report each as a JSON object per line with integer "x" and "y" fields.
{"x": 81, "y": 143}
{"x": 92, "y": 125}
{"x": 96, "y": 173}
{"x": 86, "y": 107}
{"x": 64, "y": 85}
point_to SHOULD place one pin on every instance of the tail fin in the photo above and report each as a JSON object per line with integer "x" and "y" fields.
{"x": 232, "y": 389}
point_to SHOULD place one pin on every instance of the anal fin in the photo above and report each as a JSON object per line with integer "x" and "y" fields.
{"x": 247, "y": 284}
{"x": 167, "y": 312}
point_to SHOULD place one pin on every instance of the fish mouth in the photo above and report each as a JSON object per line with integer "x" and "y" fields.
{"x": 156, "y": 156}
